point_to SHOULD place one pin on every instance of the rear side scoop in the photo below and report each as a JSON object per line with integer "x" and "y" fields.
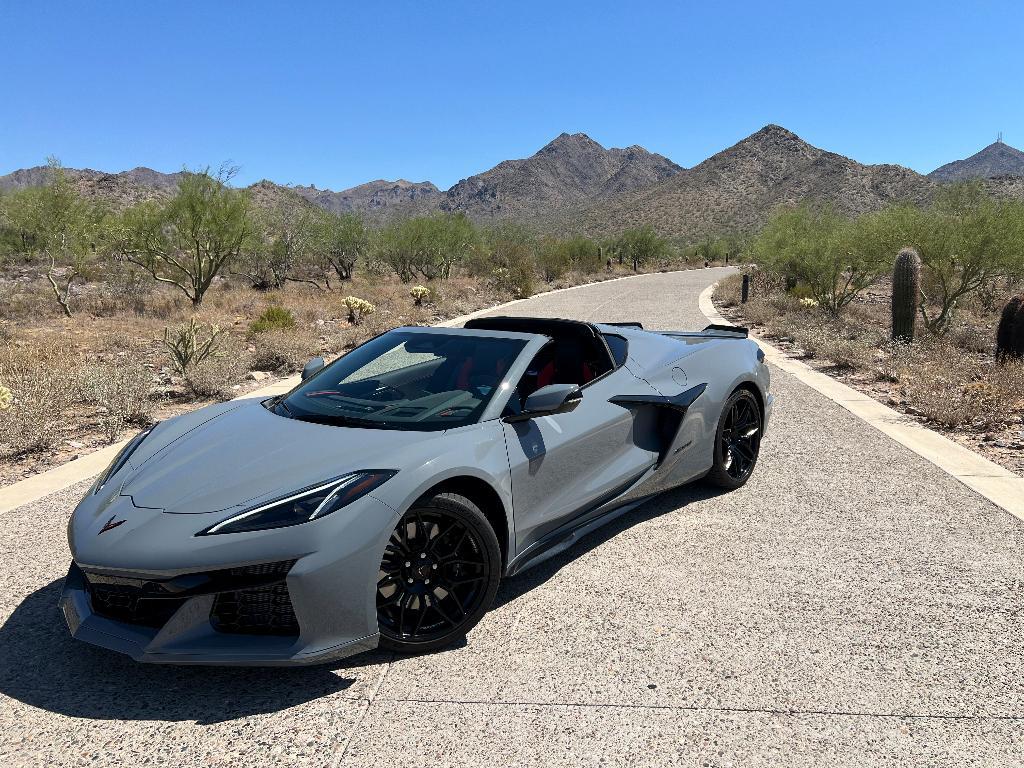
{"x": 680, "y": 402}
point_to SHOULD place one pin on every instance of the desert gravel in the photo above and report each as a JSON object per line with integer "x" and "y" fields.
{"x": 851, "y": 605}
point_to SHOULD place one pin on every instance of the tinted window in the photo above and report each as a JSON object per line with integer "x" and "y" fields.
{"x": 618, "y": 346}
{"x": 406, "y": 380}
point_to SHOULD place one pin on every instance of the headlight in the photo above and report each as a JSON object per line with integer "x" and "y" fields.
{"x": 119, "y": 461}
{"x": 304, "y": 505}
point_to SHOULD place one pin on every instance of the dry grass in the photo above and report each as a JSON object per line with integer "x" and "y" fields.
{"x": 952, "y": 382}
{"x": 99, "y": 375}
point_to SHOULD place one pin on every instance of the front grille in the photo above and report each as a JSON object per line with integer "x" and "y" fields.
{"x": 250, "y": 599}
{"x": 261, "y": 611}
{"x": 126, "y": 603}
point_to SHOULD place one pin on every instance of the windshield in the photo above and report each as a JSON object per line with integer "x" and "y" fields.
{"x": 406, "y": 380}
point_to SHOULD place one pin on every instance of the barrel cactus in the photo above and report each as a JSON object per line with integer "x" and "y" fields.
{"x": 1010, "y": 332}
{"x": 906, "y": 287}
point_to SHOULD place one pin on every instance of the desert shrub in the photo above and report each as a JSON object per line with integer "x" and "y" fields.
{"x": 187, "y": 344}
{"x": 272, "y": 318}
{"x": 215, "y": 377}
{"x": 121, "y": 393}
{"x": 283, "y": 351}
{"x": 894, "y": 360}
{"x": 553, "y": 259}
{"x": 833, "y": 257}
{"x": 40, "y": 378}
{"x": 515, "y": 280}
{"x": 729, "y": 291}
{"x": 969, "y": 337}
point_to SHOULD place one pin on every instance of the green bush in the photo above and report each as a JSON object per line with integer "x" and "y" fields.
{"x": 832, "y": 257}
{"x": 272, "y": 319}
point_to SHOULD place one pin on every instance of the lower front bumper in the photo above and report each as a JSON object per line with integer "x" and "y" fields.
{"x": 189, "y": 635}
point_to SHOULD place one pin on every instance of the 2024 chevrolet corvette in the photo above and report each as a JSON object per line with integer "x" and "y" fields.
{"x": 381, "y": 500}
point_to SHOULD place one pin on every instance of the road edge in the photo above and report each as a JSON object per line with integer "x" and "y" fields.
{"x": 60, "y": 478}
{"x": 997, "y": 484}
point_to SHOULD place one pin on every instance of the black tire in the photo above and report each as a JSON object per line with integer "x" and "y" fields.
{"x": 438, "y": 576}
{"x": 737, "y": 441}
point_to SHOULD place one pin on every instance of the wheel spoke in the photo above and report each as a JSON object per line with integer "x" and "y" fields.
{"x": 439, "y": 609}
{"x": 460, "y": 582}
{"x": 430, "y": 552}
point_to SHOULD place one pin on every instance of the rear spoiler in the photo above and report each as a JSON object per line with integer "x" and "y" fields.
{"x": 732, "y": 330}
{"x": 628, "y": 324}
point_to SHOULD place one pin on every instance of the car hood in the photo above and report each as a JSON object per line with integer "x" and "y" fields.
{"x": 247, "y": 454}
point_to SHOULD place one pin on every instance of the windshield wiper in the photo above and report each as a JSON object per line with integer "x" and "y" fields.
{"x": 339, "y": 421}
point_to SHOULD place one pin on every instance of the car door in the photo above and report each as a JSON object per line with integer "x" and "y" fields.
{"x": 564, "y": 464}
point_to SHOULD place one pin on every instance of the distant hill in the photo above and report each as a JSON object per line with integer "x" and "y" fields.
{"x": 575, "y": 184}
{"x": 570, "y": 171}
{"x": 118, "y": 189}
{"x": 996, "y": 159}
{"x": 736, "y": 189}
{"x": 374, "y": 197}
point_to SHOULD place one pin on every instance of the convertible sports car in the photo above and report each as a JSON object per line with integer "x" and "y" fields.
{"x": 382, "y": 499}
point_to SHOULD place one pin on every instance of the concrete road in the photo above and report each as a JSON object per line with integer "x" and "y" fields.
{"x": 850, "y": 605}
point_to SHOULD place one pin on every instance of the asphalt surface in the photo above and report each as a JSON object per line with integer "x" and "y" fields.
{"x": 851, "y": 605}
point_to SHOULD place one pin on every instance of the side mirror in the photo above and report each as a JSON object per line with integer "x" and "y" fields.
{"x": 312, "y": 367}
{"x": 554, "y": 398}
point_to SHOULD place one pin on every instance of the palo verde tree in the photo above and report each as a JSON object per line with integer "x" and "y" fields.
{"x": 966, "y": 239}
{"x": 187, "y": 240}
{"x": 427, "y": 246}
{"x": 835, "y": 258}
{"x": 280, "y": 245}
{"x": 53, "y": 224}
{"x": 340, "y": 242}
{"x": 641, "y": 245}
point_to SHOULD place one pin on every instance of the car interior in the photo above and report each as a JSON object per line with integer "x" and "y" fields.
{"x": 415, "y": 380}
{"x": 577, "y": 353}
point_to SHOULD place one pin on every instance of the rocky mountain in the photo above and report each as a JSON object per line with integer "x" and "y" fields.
{"x": 736, "y": 189}
{"x": 117, "y": 189}
{"x": 996, "y": 159}
{"x": 374, "y": 197}
{"x": 575, "y": 184}
{"x": 570, "y": 171}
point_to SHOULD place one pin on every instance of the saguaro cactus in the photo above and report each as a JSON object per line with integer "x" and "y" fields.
{"x": 906, "y": 287}
{"x": 1010, "y": 332}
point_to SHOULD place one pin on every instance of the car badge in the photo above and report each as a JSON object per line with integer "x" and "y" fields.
{"x": 111, "y": 524}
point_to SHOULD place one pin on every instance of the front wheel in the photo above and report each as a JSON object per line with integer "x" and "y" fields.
{"x": 737, "y": 441}
{"x": 438, "y": 575}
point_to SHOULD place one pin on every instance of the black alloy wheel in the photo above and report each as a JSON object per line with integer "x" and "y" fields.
{"x": 438, "y": 575}
{"x": 738, "y": 441}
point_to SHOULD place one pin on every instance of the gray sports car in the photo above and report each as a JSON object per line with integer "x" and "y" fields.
{"x": 381, "y": 500}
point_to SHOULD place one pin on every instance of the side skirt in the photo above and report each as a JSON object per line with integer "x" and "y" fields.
{"x": 587, "y": 521}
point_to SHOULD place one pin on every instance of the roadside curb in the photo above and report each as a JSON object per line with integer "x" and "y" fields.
{"x": 60, "y": 478}
{"x": 997, "y": 484}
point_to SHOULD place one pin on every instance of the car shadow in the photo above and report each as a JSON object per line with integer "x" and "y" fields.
{"x": 41, "y": 665}
{"x": 668, "y": 501}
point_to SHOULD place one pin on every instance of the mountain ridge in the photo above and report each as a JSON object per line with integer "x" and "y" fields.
{"x": 573, "y": 183}
{"x": 995, "y": 160}
{"x": 736, "y": 189}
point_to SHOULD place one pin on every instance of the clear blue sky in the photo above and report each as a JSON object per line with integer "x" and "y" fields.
{"x": 338, "y": 93}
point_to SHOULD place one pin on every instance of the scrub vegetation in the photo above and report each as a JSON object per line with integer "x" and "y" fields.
{"x": 911, "y": 304}
{"x": 112, "y": 316}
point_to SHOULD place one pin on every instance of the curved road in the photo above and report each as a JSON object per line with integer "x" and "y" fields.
{"x": 851, "y": 605}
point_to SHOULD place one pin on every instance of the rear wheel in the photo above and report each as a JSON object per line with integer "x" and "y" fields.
{"x": 438, "y": 575}
{"x": 737, "y": 441}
